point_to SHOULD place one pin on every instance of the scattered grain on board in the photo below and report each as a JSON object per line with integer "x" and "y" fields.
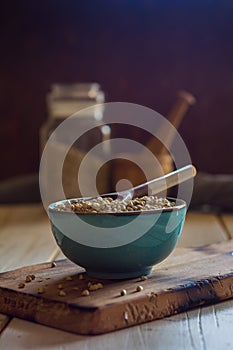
{"x": 95, "y": 286}
{"x": 139, "y": 288}
{"x": 143, "y": 278}
{"x": 40, "y": 290}
{"x": 85, "y": 292}
{"x": 28, "y": 279}
{"x": 62, "y": 293}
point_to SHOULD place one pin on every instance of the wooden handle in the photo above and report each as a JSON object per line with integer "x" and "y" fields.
{"x": 164, "y": 182}
{"x": 131, "y": 172}
{"x": 175, "y": 116}
{"x": 183, "y": 102}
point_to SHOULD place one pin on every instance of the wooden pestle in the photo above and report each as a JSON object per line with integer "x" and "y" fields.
{"x": 130, "y": 171}
{"x": 175, "y": 116}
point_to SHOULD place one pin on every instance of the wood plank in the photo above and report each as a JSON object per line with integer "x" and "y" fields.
{"x": 25, "y": 238}
{"x": 3, "y": 217}
{"x": 171, "y": 288}
{"x": 60, "y": 256}
{"x": 206, "y": 328}
{"x": 228, "y": 222}
{"x": 201, "y": 229}
{"x": 14, "y": 337}
{"x": 4, "y": 319}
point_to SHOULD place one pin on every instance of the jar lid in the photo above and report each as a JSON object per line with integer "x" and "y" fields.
{"x": 64, "y": 109}
{"x": 66, "y": 99}
{"x": 76, "y": 90}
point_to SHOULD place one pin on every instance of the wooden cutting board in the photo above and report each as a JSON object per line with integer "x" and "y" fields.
{"x": 187, "y": 279}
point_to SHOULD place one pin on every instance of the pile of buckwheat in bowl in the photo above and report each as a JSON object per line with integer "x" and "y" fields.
{"x": 109, "y": 205}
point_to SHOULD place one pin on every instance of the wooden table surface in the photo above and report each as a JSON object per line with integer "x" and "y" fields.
{"x": 25, "y": 239}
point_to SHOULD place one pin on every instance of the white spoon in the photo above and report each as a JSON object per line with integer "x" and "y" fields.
{"x": 157, "y": 185}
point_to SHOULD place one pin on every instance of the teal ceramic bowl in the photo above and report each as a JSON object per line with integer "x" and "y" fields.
{"x": 120, "y": 245}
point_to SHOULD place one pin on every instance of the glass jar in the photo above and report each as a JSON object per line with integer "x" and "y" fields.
{"x": 63, "y": 101}
{"x": 66, "y": 99}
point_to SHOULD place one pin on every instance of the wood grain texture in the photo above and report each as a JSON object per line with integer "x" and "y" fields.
{"x": 25, "y": 239}
{"x": 208, "y": 328}
{"x": 174, "y": 287}
{"x": 25, "y": 236}
{"x": 60, "y": 255}
{"x": 201, "y": 229}
{"x": 228, "y": 222}
{"x": 4, "y": 319}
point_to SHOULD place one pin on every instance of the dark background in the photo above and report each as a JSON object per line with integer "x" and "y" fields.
{"x": 139, "y": 51}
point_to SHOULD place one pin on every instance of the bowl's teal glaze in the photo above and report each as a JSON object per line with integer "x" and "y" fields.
{"x": 129, "y": 260}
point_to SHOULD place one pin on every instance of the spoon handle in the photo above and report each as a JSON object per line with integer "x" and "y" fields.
{"x": 162, "y": 183}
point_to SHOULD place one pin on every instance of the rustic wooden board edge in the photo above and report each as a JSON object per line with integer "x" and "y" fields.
{"x": 96, "y": 321}
{"x": 153, "y": 304}
{"x": 4, "y": 320}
